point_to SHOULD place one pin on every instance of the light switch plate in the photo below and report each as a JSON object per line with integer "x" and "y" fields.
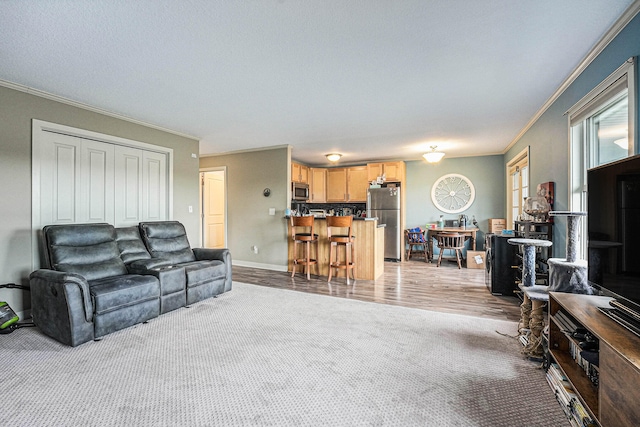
{"x": 272, "y": 211}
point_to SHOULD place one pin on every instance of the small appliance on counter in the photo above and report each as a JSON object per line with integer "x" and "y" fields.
{"x": 318, "y": 213}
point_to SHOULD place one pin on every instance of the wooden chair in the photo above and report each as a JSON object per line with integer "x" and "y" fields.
{"x": 452, "y": 241}
{"x": 339, "y": 238}
{"x": 302, "y": 232}
{"x": 416, "y": 240}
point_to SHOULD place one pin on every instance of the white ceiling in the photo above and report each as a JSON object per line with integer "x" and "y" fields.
{"x": 369, "y": 79}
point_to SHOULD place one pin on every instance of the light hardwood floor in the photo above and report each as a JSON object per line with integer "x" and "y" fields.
{"x": 412, "y": 283}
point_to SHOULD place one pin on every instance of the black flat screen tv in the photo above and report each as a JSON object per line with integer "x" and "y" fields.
{"x": 613, "y": 196}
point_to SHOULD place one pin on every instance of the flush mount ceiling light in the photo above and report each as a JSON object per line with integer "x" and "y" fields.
{"x": 333, "y": 157}
{"x": 433, "y": 156}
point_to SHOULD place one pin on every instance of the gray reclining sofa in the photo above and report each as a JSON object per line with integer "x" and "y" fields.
{"x": 99, "y": 279}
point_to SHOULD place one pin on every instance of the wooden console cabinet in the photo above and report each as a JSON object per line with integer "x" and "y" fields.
{"x": 615, "y": 401}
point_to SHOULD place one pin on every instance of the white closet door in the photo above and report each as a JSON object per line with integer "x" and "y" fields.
{"x": 60, "y": 171}
{"x": 96, "y": 182}
{"x": 128, "y": 181}
{"x": 154, "y": 186}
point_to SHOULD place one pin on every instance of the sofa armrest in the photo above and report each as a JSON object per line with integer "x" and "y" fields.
{"x": 223, "y": 255}
{"x": 142, "y": 266}
{"x": 61, "y": 306}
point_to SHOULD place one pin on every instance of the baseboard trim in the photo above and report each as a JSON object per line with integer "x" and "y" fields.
{"x": 260, "y": 265}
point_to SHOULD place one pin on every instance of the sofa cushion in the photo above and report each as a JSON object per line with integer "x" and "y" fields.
{"x": 112, "y": 293}
{"x": 204, "y": 271}
{"x": 89, "y": 250}
{"x": 168, "y": 240}
{"x": 130, "y": 244}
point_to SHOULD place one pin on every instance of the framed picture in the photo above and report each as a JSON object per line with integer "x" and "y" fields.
{"x": 548, "y": 191}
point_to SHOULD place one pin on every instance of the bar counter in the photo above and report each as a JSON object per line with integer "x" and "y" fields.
{"x": 369, "y": 249}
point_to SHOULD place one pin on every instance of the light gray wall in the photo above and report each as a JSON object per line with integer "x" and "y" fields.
{"x": 548, "y": 138}
{"x": 249, "y": 222}
{"x": 487, "y": 173}
{"x": 17, "y": 109}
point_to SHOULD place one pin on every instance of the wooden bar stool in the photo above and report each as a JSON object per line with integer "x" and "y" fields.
{"x": 302, "y": 232}
{"x": 340, "y": 238}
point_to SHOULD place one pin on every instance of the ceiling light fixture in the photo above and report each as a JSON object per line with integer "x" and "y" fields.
{"x": 333, "y": 157}
{"x": 433, "y": 156}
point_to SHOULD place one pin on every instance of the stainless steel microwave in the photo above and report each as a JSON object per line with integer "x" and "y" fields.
{"x": 299, "y": 191}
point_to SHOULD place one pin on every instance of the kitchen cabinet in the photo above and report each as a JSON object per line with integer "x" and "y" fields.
{"x": 369, "y": 249}
{"x": 347, "y": 184}
{"x": 336, "y": 185}
{"x": 299, "y": 173}
{"x": 317, "y": 185}
{"x": 394, "y": 171}
{"x": 357, "y": 184}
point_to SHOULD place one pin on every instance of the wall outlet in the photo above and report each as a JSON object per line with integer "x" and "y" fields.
{"x": 272, "y": 211}
{"x": 254, "y": 249}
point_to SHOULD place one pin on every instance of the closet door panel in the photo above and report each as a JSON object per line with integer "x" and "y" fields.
{"x": 128, "y": 184}
{"x": 97, "y": 183}
{"x": 154, "y": 184}
{"x": 59, "y": 177}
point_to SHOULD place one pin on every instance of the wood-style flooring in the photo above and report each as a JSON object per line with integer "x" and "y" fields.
{"x": 413, "y": 283}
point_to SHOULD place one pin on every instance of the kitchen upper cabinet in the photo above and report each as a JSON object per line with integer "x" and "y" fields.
{"x": 357, "y": 184}
{"x": 347, "y": 184}
{"x": 336, "y": 185}
{"x": 394, "y": 171}
{"x": 299, "y": 173}
{"x": 318, "y": 185}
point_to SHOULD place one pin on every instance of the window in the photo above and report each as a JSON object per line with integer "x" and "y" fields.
{"x": 517, "y": 184}
{"x": 601, "y": 130}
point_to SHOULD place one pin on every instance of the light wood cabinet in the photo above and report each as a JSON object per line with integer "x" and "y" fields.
{"x": 336, "y": 185}
{"x": 299, "y": 173}
{"x": 317, "y": 185}
{"x": 357, "y": 184}
{"x": 394, "y": 171}
{"x": 347, "y": 184}
{"x": 369, "y": 250}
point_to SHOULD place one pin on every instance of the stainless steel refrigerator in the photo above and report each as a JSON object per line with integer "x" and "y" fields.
{"x": 384, "y": 203}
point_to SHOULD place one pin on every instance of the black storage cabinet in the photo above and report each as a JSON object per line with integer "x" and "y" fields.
{"x": 500, "y": 257}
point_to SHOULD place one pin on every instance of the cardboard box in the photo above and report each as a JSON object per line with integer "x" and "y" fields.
{"x": 475, "y": 259}
{"x": 496, "y": 225}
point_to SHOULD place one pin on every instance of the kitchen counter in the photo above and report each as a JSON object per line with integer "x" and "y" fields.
{"x": 369, "y": 248}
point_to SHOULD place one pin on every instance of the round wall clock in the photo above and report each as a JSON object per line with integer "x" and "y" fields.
{"x": 453, "y": 193}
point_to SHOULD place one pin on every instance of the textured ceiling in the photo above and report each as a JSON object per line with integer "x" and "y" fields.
{"x": 370, "y": 79}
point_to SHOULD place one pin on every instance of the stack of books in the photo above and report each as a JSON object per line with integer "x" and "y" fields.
{"x": 566, "y": 396}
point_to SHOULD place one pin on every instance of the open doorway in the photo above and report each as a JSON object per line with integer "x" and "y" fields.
{"x": 214, "y": 208}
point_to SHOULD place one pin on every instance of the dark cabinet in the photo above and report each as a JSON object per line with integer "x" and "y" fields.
{"x": 501, "y": 264}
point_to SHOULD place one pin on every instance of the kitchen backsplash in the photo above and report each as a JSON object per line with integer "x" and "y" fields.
{"x": 336, "y": 207}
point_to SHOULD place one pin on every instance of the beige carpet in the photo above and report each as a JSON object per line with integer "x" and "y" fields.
{"x": 258, "y": 356}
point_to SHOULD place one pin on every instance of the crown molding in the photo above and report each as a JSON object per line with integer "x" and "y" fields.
{"x": 63, "y": 100}
{"x": 617, "y": 27}
{"x": 247, "y": 150}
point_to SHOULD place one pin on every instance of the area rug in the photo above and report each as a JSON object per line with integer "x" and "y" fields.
{"x": 258, "y": 356}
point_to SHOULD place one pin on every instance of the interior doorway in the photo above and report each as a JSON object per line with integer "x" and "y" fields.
{"x": 214, "y": 208}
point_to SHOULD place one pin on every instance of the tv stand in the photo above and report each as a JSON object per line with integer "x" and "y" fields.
{"x": 614, "y": 401}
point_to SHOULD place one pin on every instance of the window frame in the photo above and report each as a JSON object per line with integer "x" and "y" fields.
{"x": 520, "y": 160}
{"x": 580, "y": 153}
